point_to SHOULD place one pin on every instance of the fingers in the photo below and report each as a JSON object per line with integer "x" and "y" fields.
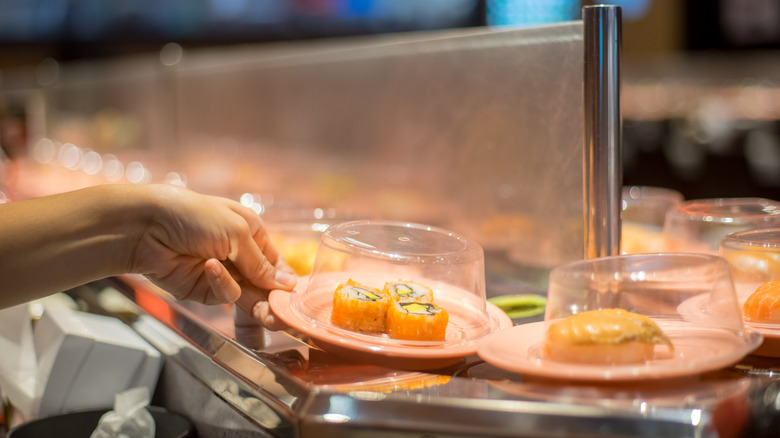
{"x": 224, "y": 287}
{"x": 282, "y": 265}
{"x": 263, "y": 313}
{"x": 257, "y": 270}
{"x": 259, "y": 233}
{"x": 254, "y": 303}
{"x": 255, "y": 257}
{"x": 248, "y": 299}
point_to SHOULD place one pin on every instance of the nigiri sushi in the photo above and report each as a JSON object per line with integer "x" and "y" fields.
{"x": 408, "y": 291}
{"x": 358, "y": 307}
{"x": 603, "y": 337}
{"x": 763, "y": 305}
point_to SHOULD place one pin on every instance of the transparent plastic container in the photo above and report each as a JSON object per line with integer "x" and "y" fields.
{"x": 296, "y": 233}
{"x": 375, "y": 252}
{"x": 754, "y": 257}
{"x": 690, "y": 297}
{"x": 656, "y": 285}
{"x": 648, "y": 205}
{"x": 643, "y": 211}
{"x": 700, "y": 225}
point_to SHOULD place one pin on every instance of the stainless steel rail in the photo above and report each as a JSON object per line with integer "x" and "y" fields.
{"x": 603, "y": 130}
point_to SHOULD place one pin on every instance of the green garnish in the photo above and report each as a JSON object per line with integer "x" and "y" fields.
{"x": 520, "y": 306}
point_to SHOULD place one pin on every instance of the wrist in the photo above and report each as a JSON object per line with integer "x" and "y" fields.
{"x": 122, "y": 214}
{"x": 151, "y": 210}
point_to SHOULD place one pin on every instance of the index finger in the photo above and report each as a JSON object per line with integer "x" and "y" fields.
{"x": 254, "y": 256}
{"x": 259, "y": 233}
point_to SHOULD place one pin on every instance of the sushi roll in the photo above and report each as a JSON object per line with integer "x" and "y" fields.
{"x": 762, "y": 305}
{"x": 604, "y": 337}
{"x": 417, "y": 321}
{"x": 403, "y": 290}
{"x": 360, "y": 308}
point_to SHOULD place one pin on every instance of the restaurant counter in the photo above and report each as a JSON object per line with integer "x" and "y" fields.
{"x": 242, "y": 380}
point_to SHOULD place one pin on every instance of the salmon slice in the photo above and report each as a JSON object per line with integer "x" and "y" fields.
{"x": 763, "y": 305}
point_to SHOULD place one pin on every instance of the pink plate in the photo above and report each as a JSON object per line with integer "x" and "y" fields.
{"x": 696, "y": 350}
{"x": 363, "y": 348}
{"x": 771, "y": 332}
{"x": 659, "y": 393}
{"x": 771, "y": 345}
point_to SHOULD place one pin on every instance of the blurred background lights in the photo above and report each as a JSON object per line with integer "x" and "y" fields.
{"x": 171, "y": 54}
{"x": 92, "y": 162}
{"x": 247, "y": 199}
{"x": 176, "y": 179}
{"x": 44, "y": 151}
{"x": 524, "y": 13}
{"x": 70, "y": 156}
{"x": 113, "y": 169}
{"x": 47, "y": 72}
{"x": 137, "y": 173}
{"x": 251, "y": 201}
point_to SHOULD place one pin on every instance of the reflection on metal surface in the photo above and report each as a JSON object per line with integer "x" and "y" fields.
{"x": 409, "y": 382}
{"x": 451, "y": 417}
{"x": 759, "y": 366}
{"x": 232, "y": 371}
{"x": 250, "y": 406}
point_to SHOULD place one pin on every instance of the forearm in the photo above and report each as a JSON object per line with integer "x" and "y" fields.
{"x": 54, "y": 243}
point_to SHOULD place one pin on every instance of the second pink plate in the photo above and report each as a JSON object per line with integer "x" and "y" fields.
{"x": 696, "y": 350}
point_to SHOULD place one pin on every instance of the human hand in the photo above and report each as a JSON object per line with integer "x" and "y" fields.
{"x": 253, "y": 304}
{"x": 199, "y": 247}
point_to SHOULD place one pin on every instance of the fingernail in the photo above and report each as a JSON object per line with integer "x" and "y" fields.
{"x": 284, "y": 266}
{"x": 285, "y": 278}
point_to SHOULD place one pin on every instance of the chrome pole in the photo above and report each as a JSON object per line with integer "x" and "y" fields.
{"x": 603, "y": 125}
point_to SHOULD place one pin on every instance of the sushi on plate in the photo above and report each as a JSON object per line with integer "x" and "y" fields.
{"x": 360, "y": 308}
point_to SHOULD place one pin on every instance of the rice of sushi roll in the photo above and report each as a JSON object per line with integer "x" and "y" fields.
{"x": 403, "y": 290}
{"x": 360, "y": 308}
{"x": 417, "y": 321}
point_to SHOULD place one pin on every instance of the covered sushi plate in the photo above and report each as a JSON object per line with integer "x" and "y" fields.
{"x": 401, "y": 294}
{"x": 630, "y": 317}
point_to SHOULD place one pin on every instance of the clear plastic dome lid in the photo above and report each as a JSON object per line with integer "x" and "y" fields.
{"x": 754, "y": 257}
{"x": 630, "y": 317}
{"x": 374, "y": 253}
{"x": 699, "y": 225}
{"x": 690, "y": 289}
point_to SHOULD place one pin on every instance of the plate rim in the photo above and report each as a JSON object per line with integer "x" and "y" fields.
{"x": 279, "y": 301}
{"x": 605, "y": 373}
